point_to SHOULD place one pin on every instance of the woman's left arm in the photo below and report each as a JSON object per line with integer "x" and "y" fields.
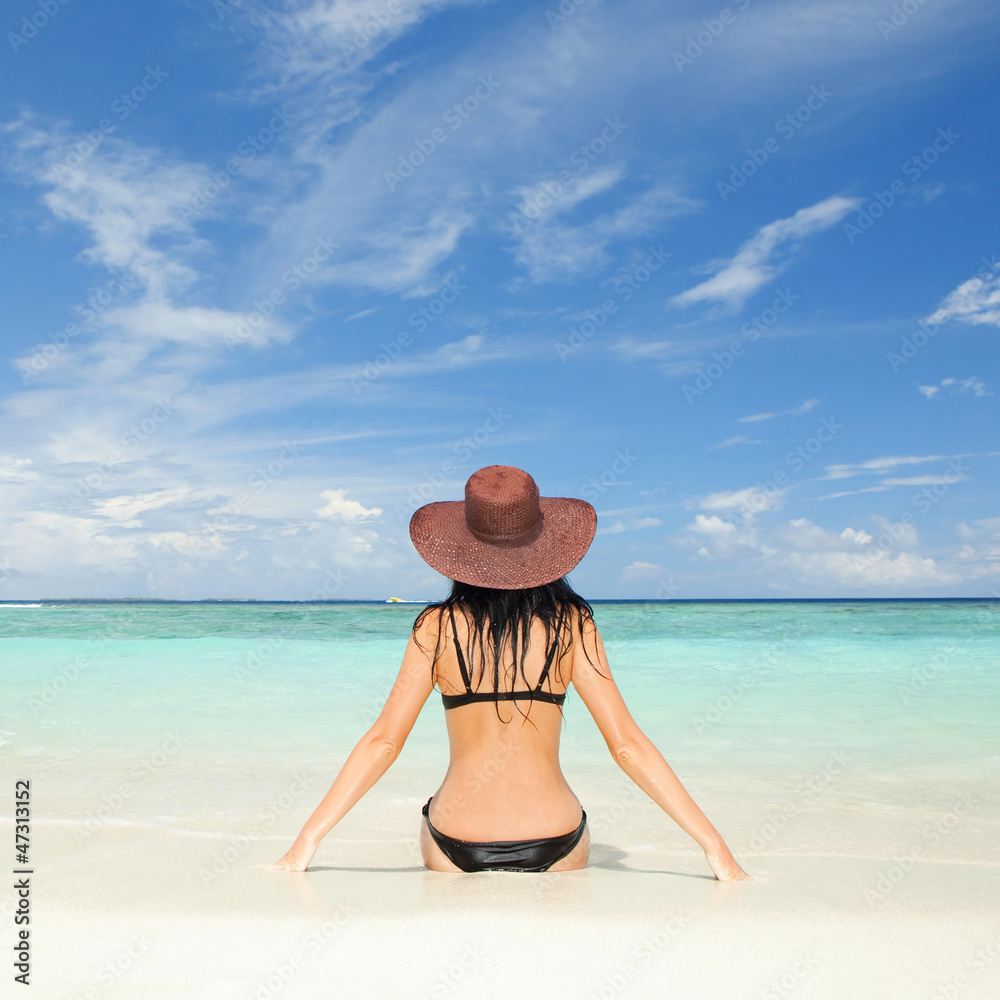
{"x": 370, "y": 759}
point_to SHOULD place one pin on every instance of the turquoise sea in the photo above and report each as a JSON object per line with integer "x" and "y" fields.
{"x": 862, "y": 715}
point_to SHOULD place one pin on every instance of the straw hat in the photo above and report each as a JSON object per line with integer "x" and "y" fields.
{"x": 503, "y": 534}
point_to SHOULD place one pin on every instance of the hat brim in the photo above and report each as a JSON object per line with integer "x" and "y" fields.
{"x": 442, "y": 537}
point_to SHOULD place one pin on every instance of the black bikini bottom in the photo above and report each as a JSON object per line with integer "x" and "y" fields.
{"x": 506, "y": 855}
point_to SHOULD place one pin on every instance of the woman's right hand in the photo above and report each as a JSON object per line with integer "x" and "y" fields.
{"x": 296, "y": 859}
{"x": 722, "y": 862}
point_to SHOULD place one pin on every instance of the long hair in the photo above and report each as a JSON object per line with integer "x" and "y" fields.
{"x": 498, "y": 618}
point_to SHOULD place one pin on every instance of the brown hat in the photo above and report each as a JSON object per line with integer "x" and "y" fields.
{"x": 503, "y": 534}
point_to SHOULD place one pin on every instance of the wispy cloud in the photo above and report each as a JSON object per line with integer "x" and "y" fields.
{"x": 730, "y": 441}
{"x": 550, "y": 251}
{"x": 885, "y": 464}
{"x": 766, "y": 255}
{"x": 971, "y": 385}
{"x": 796, "y": 411}
{"x": 976, "y": 302}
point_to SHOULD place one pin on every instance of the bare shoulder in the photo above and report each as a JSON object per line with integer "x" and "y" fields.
{"x": 427, "y": 630}
{"x": 587, "y": 650}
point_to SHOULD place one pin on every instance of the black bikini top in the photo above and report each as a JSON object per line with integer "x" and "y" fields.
{"x": 535, "y": 694}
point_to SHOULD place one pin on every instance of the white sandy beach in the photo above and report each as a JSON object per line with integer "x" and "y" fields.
{"x": 161, "y": 779}
{"x": 138, "y": 911}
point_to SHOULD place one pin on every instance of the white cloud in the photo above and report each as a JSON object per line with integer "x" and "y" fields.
{"x": 730, "y": 441}
{"x": 630, "y": 349}
{"x": 796, "y": 411}
{"x": 981, "y": 551}
{"x": 714, "y": 526}
{"x": 750, "y": 501}
{"x": 15, "y": 470}
{"x": 814, "y": 556}
{"x": 633, "y": 524}
{"x": 971, "y": 385}
{"x": 756, "y": 262}
{"x": 359, "y": 315}
{"x": 124, "y": 508}
{"x": 885, "y": 464}
{"x": 317, "y": 43}
{"x": 550, "y": 251}
{"x": 922, "y": 480}
{"x": 976, "y": 302}
{"x": 850, "y": 493}
{"x": 337, "y": 505}
{"x": 640, "y": 571}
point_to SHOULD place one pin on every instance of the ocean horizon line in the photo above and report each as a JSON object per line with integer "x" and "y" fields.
{"x": 36, "y": 601}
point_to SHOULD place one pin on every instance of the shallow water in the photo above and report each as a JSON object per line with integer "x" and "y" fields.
{"x": 226, "y": 703}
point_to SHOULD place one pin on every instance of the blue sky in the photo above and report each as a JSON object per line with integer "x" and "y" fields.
{"x": 278, "y": 274}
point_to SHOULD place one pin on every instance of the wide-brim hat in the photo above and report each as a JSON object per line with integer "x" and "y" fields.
{"x": 503, "y": 534}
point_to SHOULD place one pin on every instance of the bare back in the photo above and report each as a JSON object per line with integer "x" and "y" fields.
{"x": 503, "y": 780}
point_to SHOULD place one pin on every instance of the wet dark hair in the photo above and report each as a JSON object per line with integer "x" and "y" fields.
{"x": 497, "y": 618}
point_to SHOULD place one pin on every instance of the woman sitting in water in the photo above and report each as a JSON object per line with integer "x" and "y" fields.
{"x": 511, "y": 633}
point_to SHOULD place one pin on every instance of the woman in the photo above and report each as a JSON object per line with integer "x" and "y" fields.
{"x": 503, "y": 647}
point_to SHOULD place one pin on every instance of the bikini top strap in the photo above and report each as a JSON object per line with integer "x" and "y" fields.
{"x": 548, "y": 663}
{"x": 458, "y": 652}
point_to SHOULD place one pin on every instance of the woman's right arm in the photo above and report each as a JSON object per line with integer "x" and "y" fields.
{"x": 636, "y": 755}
